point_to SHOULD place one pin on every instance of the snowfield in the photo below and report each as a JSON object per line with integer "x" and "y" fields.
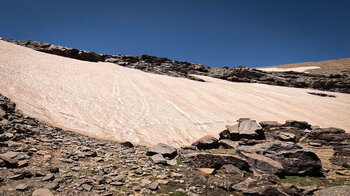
{"x": 112, "y": 102}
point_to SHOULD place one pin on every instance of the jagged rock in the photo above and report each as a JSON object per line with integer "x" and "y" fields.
{"x": 338, "y": 190}
{"x": 153, "y": 186}
{"x": 42, "y": 192}
{"x": 228, "y": 144}
{"x": 163, "y": 149}
{"x": 246, "y": 128}
{"x": 86, "y": 187}
{"x": 206, "y": 142}
{"x": 206, "y": 160}
{"x": 263, "y": 163}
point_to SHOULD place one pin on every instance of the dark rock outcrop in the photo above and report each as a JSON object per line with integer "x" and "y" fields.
{"x": 282, "y": 160}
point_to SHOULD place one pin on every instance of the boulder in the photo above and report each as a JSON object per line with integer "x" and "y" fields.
{"x": 245, "y": 129}
{"x": 207, "y": 160}
{"x": 281, "y": 160}
{"x": 228, "y": 144}
{"x": 163, "y": 149}
{"x": 159, "y": 159}
{"x": 206, "y": 142}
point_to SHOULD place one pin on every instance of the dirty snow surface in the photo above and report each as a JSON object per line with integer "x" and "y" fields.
{"x": 108, "y": 101}
{"x": 295, "y": 69}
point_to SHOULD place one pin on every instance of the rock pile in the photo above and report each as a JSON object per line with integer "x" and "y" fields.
{"x": 249, "y": 158}
{"x": 272, "y": 151}
{"x": 335, "y": 83}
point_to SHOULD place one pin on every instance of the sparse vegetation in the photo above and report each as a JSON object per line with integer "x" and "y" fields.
{"x": 314, "y": 181}
{"x": 223, "y": 151}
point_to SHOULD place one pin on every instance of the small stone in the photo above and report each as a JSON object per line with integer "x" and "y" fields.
{"x": 145, "y": 181}
{"x": 54, "y": 170}
{"x": 48, "y": 177}
{"x": 119, "y": 178}
{"x": 162, "y": 176}
{"x": 138, "y": 171}
{"x": 136, "y": 188}
{"x": 21, "y": 187}
{"x": 343, "y": 172}
{"x": 52, "y": 185}
{"x": 117, "y": 183}
{"x": 153, "y": 186}
{"x": 16, "y": 177}
{"x": 207, "y": 171}
{"x": 86, "y": 187}
{"x": 163, "y": 181}
{"x": 42, "y": 192}
{"x": 23, "y": 163}
{"x": 315, "y": 144}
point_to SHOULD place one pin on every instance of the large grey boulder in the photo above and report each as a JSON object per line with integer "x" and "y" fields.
{"x": 245, "y": 129}
{"x": 163, "y": 149}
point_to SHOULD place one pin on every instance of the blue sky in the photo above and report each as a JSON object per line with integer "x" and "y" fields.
{"x": 211, "y": 32}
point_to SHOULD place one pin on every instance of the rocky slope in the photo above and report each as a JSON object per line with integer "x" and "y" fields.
{"x": 250, "y": 158}
{"x": 333, "y": 82}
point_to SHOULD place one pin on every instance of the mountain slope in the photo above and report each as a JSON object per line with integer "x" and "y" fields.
{"x": 337, "y": 66}
{"x": 117, "y": 103}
